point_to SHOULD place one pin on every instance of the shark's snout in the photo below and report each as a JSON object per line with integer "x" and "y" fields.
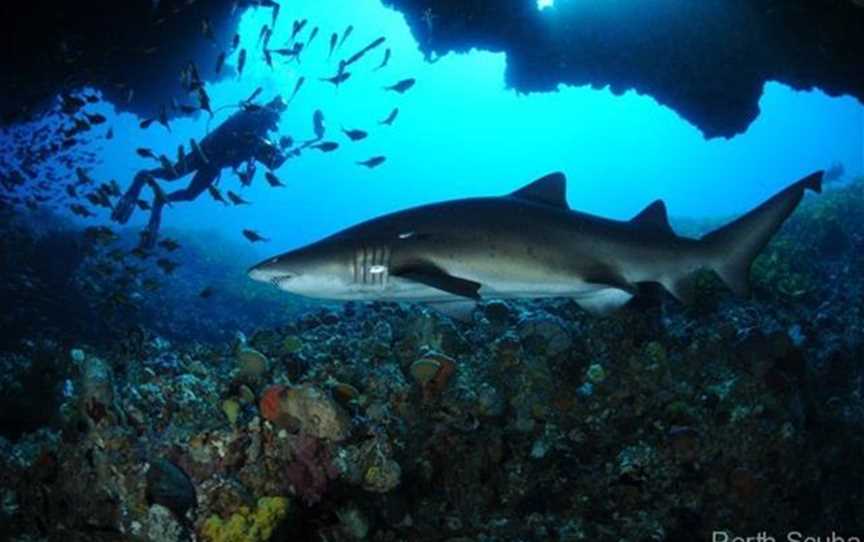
{"x": 271, "y": 271}
{"x": 264, "y": 272}
{"x": 258, "y": 273}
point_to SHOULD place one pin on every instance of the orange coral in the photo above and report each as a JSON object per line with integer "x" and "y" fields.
{"x": 438, "y": 383}
{"x": 271, "y": 402}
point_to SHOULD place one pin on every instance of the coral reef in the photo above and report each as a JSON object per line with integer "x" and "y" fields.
{"x": 536, "y": 421}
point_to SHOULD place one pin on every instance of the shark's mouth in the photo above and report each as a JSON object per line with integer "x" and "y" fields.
{"x": 278, "y": 280}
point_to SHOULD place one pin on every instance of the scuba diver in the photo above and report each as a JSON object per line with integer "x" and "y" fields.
{"x": 242, "y": 138}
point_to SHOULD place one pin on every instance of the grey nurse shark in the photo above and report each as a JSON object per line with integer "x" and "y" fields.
{"x": 527, "y": 244}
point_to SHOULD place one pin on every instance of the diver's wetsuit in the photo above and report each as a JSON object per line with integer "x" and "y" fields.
{"x": 241, "y": 138}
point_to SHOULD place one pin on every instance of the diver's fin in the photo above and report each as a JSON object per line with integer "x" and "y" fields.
{"x": 731, "y": 249}
{"x": 604, "y": 301}
{"x": 437, "y": 278}
{"x": 548, "y": 190}
{"x": 458, "y": 308}
{"x": 654, "y": 217}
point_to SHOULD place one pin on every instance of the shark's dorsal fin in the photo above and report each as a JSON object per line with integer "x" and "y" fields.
{"x": 654, "y": 217}
{"x": 548, "y": 190}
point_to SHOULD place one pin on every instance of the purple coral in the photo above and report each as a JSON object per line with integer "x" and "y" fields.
{"x": 312, "y": 469}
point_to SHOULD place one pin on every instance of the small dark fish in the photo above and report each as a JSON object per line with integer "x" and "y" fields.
{"x": 95, "y": 118}
{"x": 92, "y": 98}
{"x": 181, "y": 157}
{"x": 275, "y": 13}
{"x": 297, "y": 87}
{"x": 206, "y": 292}
{"x": 272, "y": 179}
{"x": 359, "y": 54}
{"x": 166, "y": 265}
{"x": 71, "y": 104}
{"x": 262, "y": 33}
{"x": 97, "y": 199}
{"x": 236, "y": 200}
{"x": 402, "y": 85}
{"x": 312, "y": 36}
{"x": 139, "y": 253}
{"x": 286, "y": 142}
{"x": 235, "y": 42}
{"x": 207, "y": 29}
{"x": 83, "y": 178}
{"x": 391, "y": 117}
{"x": 326, "y": 146}
{"x": 268, "y": 58}
{"x": 385, "y": 61}
{"x": 143, "y": 205}
{"x": 220, "y": 61}
{"x": 204, "y": 101}
{"x": 337, "y": 79}
{"x": 144, "y": 152}
{"x": 80, "y": 210}
{"x": 215, "y": 194}
{"x": 144, "y": 124}
{"x": 254, "y": 95}
{"x": 348, "y": 30}
{"x": 333, "y": 38}
{"x": 297, "y": 27}
{"x": 110, "y": 134}
{"x": 253, "y": 236}
{"x": 318, "y": 124}
{"x": 163, "y": 114}
{"x": 100, "y": 234}
{"x": 151, "y": 285}
{"x": 355, "y": 135}
{"x": 70, "y": 190}
{"x": 169, "y": 244}
{"x": 241, "y": 62}
{"x": 248, "y": 175}
{"x": 373, "y": 162}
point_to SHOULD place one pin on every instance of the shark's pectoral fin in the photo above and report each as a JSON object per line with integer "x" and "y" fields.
{"x": 613, "y": 292}
{"x": 609, "y": 277}
{"x": 604, "y": 301}
{"x": 457, "y": 308}
{"x": 437, "y": 278}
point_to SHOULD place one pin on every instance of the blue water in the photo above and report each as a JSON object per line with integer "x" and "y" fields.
{"x": 461, "y": 133}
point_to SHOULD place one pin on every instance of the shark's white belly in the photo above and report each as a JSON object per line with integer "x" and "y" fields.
{"x": 594, "y": 297}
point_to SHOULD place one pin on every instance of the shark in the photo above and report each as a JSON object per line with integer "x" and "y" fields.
{"x": 525, "y": 244}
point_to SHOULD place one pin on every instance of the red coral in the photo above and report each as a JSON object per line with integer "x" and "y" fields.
{"x": 270, "y": 402}
{"x": 312, "y": 469}
{"x": 438, "y": 383}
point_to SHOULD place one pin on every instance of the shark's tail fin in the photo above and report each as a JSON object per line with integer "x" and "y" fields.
{"x": 732, "y": 248}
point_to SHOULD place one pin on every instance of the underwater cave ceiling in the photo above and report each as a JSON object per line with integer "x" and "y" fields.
{"x": 708, "y": 60}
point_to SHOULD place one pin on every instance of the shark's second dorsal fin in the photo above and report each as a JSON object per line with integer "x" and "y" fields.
{"x": 654, "y": 217}
{"x": 548, "y": 190}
